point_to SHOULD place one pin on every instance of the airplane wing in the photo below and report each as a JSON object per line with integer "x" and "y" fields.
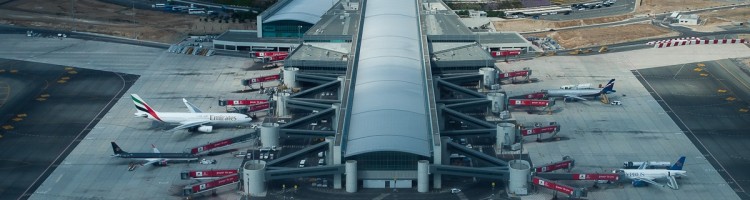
{"x": 189, "y": 124}
{"x": 570, "y": 96}
{"x": 191, "y": 107}
{"x": 650, "y": 181}
{"x": 644, "y": 165}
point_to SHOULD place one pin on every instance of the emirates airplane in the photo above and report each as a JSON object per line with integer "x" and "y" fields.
{"x": 195, "y": 120}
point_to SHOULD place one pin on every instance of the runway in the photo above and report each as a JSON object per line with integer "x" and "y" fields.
{"x": 705, "y": 100}
{"x": 48, "y": 110}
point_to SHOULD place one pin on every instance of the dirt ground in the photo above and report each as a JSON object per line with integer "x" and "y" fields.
{"x": 589, "y": 37}
{"x": 98, "y": 17}
{"x": 525, "y": 25}
{"x": 713, "y": 20}
{"x": 745, "y": 61}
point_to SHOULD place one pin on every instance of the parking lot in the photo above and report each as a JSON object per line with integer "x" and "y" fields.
{"x": 617, "y": 8}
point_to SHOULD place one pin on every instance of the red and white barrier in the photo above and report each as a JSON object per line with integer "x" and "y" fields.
{"x": 674, "y": 43}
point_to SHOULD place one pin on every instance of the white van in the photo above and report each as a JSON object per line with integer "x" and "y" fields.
{"x": 196, "y": 11}
{"x": 302, "y": 163}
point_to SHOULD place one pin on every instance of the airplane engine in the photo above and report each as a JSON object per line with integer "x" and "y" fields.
{"x": 205, "y": 129}
{"x": 639, "y": 184}
{"x": 161, "y": 163}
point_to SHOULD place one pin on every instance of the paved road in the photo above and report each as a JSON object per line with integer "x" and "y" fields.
{"x": 658, "y": 17}
{"x": 618, "y": 8}
{"x": 712, "y": 122}
{"x": 33, "y": 148}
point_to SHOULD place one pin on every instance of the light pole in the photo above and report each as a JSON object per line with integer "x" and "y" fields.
{"x": 299, "y": 35}
{"x": 73, "y": 13}
{"x": 135, "y": 34}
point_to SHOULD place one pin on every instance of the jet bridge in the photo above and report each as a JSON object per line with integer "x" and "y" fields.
{"x": 211, "y": 185}
{"x": 285, "y": 173}
{"x": 297, "y": 154}
{"x": 250, "y": 82}
{"x": 566, "y": 163}
{"x": 565, "y": 189}
{"x": 222, "y": 143}
{"x": 580, "y": 177}
{"x": 478, "y": 155}
{"x": 209, "y": 173}
{"x": 489, "y": 173}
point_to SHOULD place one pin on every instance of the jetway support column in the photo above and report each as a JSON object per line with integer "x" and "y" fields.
{"x": 498, "y": 102}
{"x": 519, "y": 173}
{"x": 336, "y": 157}
{"x": 351, "y": 176}
{"x": 290, "y": 77}
{"x": 329, "y": 151}
{"x": 437, "y": 179}
{"x": 342, "y": 80}
{"x": 269, "y": 134}
{"x": 423, "y": 177}
{"x": 281, "y": 104}
{"x": 254, "y": 175}
{"x": 489, "y": 75}
{"x": 506, "y": 135}
{"x": 336, "y": 117}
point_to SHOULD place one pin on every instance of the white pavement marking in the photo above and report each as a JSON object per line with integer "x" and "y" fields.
{"x": 693, "y": 134}
{"x": 381, "y": 196}
{"x": 77, "y": 136}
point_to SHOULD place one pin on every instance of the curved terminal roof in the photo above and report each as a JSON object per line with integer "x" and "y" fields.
{"x": 308, "y": 11}
{"x": 389, "y": 111}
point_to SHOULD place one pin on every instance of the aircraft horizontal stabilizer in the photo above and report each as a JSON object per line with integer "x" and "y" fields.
{"x": 192, "y": 108}
{"x": 189, "y": 124}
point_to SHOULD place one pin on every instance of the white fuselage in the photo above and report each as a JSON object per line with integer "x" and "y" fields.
{"x": 213, "y": 118}
{"x": 573, "y": 92}
{"x": 652, "y": 174}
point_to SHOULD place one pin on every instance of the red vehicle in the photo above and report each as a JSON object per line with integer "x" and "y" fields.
{"x": 506, "y": 53}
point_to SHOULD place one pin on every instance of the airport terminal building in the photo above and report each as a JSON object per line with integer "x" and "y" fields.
{"x": 399, "y": 71}
{"x": 291, "y": 22}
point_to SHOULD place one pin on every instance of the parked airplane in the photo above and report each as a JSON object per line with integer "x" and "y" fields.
{"x": 578, "y": 94}
{"x": 577, "y": 87}
{"x": 643, "y": 176}
{"x": 649, "y": 165}
{"x": 156, "y": 158}
{"x": 195, "y": 120}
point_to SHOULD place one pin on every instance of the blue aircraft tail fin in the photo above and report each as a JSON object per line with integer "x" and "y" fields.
{"x": 609, "y": 88}
{"x": 678, "y": 165}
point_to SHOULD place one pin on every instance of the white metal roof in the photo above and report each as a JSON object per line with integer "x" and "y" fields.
{"x": 308, "y": 11}
{"x": 389, "y": 106}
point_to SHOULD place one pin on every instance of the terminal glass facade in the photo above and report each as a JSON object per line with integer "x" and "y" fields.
{"x": 285, "y": 28}
{"x": 387, "y": 160}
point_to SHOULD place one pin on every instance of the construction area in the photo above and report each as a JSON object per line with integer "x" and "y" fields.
{"x": 105, "y": 18}
{"x": 592, "y": 37}
{"x": 635, "y": 26}
{"x": 731, "y": 19}
{"x": 530, "y": 25}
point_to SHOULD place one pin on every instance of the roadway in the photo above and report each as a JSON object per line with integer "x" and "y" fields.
{"x": 54, "y": 125}
{"x": 711, "y": 119}
{"x": 618, "y": 8}
{"x": 659, "y": 17}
